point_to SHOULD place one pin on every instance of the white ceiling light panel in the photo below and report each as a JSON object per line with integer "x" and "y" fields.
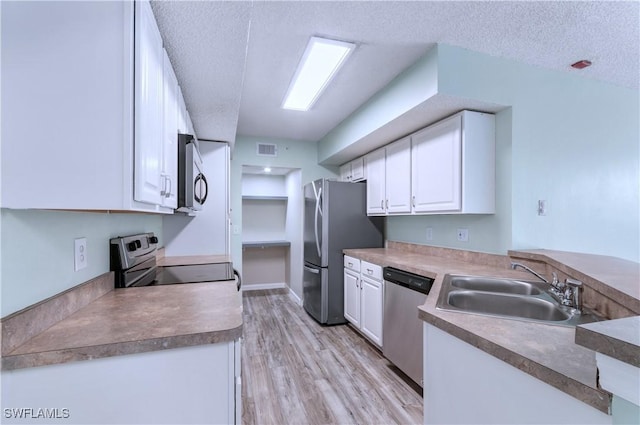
{"x": 320, "y": 62}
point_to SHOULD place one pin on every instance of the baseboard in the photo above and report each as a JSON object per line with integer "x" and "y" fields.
{"x": 294, "y": 297}
{"x": 261, "y": 286}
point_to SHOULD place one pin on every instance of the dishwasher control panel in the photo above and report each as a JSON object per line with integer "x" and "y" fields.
{"x": 409, "y": 280}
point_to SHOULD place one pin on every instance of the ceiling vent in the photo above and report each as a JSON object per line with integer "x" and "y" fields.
{"x": 267, "y": 149}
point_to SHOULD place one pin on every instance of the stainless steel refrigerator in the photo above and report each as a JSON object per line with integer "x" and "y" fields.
{"x": 335, "y": 218}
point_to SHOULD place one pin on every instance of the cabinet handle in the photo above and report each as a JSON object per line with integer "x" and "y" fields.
{"x": 350, "y": 264}
{"x": 382, "y": 204}
{"x": 413, "y": 201}
{"x": 387, "y": 204}
{"x": 163, "y": 192}
{"x": 369, "y": 271}
{"x": 168, "y": 193}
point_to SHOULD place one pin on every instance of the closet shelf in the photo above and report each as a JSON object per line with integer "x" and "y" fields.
{"x": 263, "y": 198}
{"x": 265, "y": 244}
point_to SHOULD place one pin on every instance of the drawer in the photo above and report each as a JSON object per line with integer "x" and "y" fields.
{"x": 371, "y": 270}
{"x": 352, "y": 263}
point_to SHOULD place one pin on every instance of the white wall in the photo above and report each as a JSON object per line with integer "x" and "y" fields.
{"x": 294, "y": 229}
{"x": 207, "y": 233}
{"x": 263, "y": 185}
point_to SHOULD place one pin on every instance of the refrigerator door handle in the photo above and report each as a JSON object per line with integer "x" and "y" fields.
{"x": 315, "y": 223}
{"x": 310, "y": 270}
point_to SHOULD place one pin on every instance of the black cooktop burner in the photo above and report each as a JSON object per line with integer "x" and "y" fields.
{"x": 169, "y": 275}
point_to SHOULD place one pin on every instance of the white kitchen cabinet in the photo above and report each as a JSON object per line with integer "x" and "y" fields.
{"x": 389, "y": 179}
{"x": 169, "y": 172}
{"x": 149, "y": 111}
{"x": 79, "y": 146}
{"x": 453, "y": 165}
{"x": 376, "y": 182}
{"x": 363, "y": 302}
{"x": 353, "y": 171}
{"x": 371, "y": 302}
{"x": 182, "y": 114}
{"x": 188, "y": 385}
{"x": 352, "y": 290}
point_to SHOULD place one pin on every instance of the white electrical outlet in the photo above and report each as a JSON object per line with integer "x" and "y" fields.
{"x": 80, "y": 254}
{"x": 463, "y": 235}
{"x": 429, "y": 233}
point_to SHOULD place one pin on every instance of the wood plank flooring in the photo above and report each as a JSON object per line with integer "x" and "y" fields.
{"x": 298, "y": 372}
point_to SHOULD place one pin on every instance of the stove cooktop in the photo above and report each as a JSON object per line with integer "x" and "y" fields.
{"x": 170, "y": 275}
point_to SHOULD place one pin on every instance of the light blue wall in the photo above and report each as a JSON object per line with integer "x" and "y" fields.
{"x": 291, "y": 154}
{"x": 37, "y": 250}
{"x": 624, "y": 412}
{"x": 575, "y": 144}
{"x": 416, "y": 85}
{"x": 566, "y": 139}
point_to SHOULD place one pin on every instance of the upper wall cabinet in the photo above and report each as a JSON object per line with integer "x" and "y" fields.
{"x": 389, "y": 179}
{"x": 446, "y": 168}
{"x": 169, "y": 173}
{"x": 149, "y": 111}
{"x": 73, "y": 137}
{"x": 353, "y": 171}
{"x": 453, "y": 165}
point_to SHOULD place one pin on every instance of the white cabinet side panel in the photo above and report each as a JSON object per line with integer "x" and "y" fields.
{"x": 464, "y": 385}
{"x": 184, "y": 385}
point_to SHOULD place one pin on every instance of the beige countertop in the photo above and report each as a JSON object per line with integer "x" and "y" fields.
{"x": 123, "y": 321}
{"x": 546, "y": 352}
{"x": 619, "y": 338}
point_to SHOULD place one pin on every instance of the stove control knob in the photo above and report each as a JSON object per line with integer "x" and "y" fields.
{"x": 153, "y": 239}
{"x": 131, "y": 246}
{"x": 138, "y": 244}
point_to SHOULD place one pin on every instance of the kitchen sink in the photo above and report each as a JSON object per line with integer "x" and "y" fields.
{"x": 507, "y": 305}
{"x": 492, "y": 284}
{"x": 507, "y": 298}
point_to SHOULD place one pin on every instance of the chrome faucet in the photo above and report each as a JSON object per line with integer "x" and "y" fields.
{"x": 533, "y": 272}
{"x": 568, "y": 293}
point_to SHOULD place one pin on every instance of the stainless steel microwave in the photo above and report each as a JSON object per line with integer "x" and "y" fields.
{"x": 192, "y": 183}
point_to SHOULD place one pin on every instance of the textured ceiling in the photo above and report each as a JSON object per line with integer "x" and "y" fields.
{"x": 234, "y": 60}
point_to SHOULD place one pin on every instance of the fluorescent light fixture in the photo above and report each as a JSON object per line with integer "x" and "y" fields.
{"x": 320, "y": 62}
{"x": 267, "y": 169}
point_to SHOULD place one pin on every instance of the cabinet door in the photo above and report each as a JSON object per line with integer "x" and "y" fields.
{"x": 352, "y": 298}
{"x": 170, "y": 140}
{"x": 149, "y": 76}
{"x": 357, "y": 170}
{"x": 376, "y": 186}
{"x": 398, "y": 176}
{"x": 436, "y": 167}
{"x": 345, "y": 172}
{"x": 371, "y": 309}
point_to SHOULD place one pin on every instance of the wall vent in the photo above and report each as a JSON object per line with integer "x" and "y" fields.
{"x": 267, "y": 149}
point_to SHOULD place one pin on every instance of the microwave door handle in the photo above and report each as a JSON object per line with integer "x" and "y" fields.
{"x": 206, "y": 188}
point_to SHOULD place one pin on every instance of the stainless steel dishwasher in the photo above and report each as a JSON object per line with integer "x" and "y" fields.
{"x": 402, "y": 329}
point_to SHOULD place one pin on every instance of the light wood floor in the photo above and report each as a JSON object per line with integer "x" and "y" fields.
{"x": 298, "y": 372}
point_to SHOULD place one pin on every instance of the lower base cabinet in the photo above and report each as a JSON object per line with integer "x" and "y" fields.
{"x": 464, "y": 385}
{"x": 189, "y": 385}
{"x": 363, "y": 302}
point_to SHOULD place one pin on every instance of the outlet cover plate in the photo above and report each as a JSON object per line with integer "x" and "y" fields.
{"x": 463, "y": 235}
{"x": 80, "y": 254}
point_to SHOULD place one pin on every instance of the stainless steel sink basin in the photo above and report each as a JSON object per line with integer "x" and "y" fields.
{"x": 493, "y": 284}
{"x": 507, "y": 305}
{"x": 507, "y": 298}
